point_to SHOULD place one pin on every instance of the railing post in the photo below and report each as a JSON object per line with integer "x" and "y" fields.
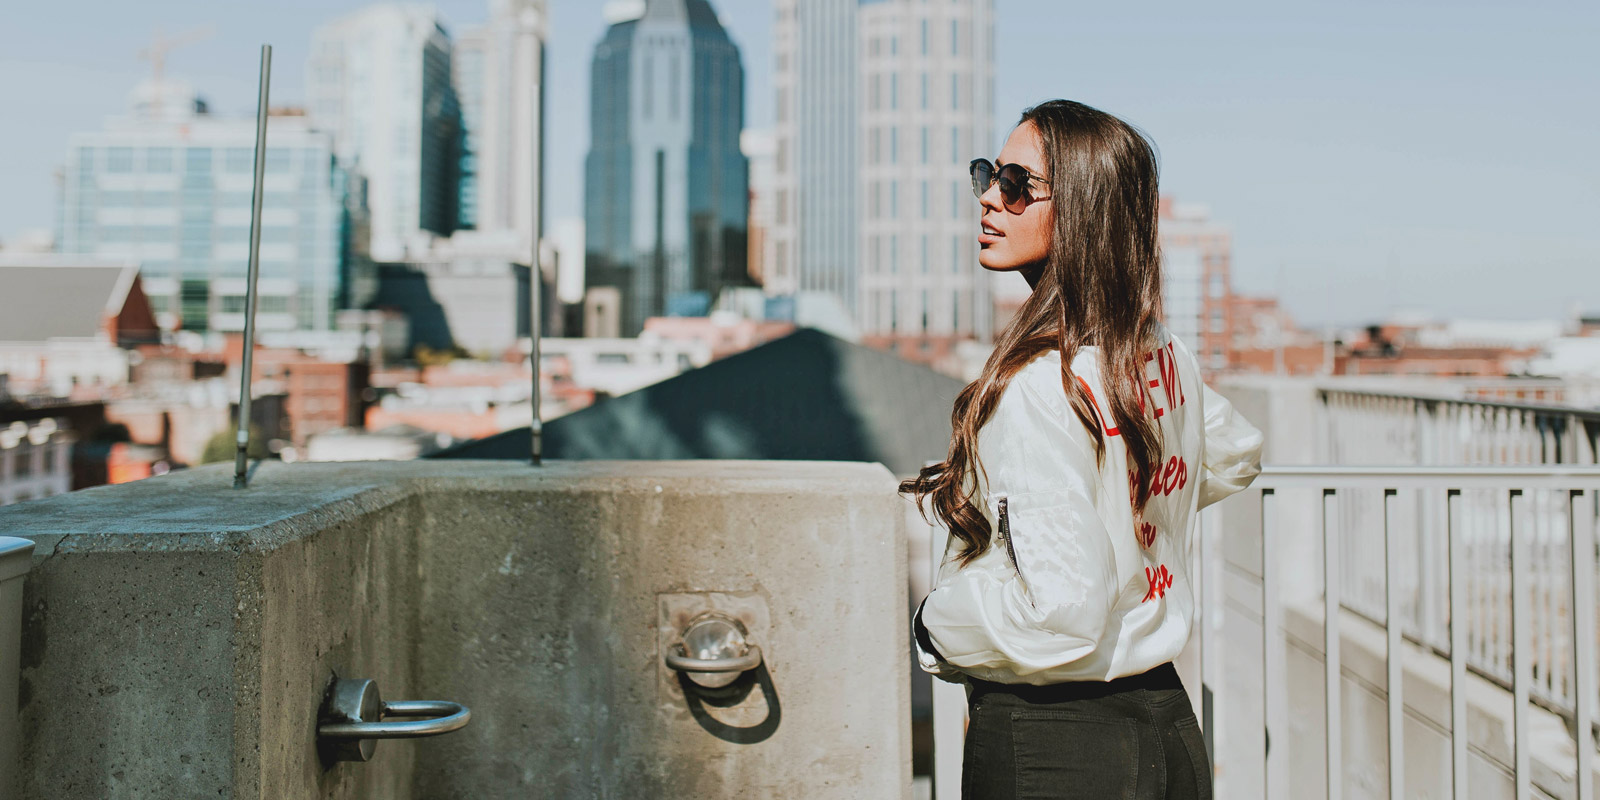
{"x": 1394, "y": 656}
{"x": 16, "y": 558}
{"x": 1580, "y": 522}
{"x": 1521, "y": 644}
{"x": 1275, "y": 759}
{"x": 1458, "y": 645}
{"x": 1334, "y": 723}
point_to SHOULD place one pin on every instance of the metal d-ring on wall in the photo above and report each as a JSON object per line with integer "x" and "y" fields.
{"x": 714, "y": 652}
{"x": 352, "y": 717}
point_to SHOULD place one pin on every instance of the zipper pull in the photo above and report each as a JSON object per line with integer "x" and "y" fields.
{"x": 1005, "y": 535}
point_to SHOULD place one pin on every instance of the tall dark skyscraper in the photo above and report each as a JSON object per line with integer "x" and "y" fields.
{"x": 665, "y": 185}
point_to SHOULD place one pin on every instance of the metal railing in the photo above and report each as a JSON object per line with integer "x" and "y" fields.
{"x": 1512, "y": 547}
{"x": 1374, "y": 427}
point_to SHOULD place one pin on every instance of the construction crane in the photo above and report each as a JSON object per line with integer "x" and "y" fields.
{"x": 157, "y": 52}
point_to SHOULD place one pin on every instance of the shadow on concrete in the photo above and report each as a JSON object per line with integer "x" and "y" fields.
{"x": 698, "y": 697}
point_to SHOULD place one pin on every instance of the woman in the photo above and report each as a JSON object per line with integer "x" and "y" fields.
{"x": 1077, "y": 464}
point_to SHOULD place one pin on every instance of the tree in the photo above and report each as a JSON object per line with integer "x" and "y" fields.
{"x": 221, "y": 447}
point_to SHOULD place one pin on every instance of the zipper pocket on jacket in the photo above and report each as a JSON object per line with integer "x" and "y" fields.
{"x": 1005, "y": 536}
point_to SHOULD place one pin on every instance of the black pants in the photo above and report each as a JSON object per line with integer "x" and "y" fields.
{"x": 1133, "y": 738}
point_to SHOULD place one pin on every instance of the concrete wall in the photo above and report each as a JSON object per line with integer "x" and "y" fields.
{"x": 179, "y": 635}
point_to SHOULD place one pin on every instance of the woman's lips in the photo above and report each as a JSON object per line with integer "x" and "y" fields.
{"x": 988, "y": 235}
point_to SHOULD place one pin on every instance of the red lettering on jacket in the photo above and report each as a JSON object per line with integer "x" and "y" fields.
{"x": 1105, "y": 419}
{"x": 1160, "y": 581}
{"x": 1147, "y": 534}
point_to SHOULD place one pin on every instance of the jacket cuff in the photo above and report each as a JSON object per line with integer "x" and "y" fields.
{"x": 928, "y": 657}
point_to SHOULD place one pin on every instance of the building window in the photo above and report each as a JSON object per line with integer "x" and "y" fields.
{"x": 158, "y": 159}
{"x": 894, "y": 144}
{"x": 198, "y": 160}
{"x": 894, "y": 199}
{"x": 924, "y": 149}
{"x": 955, "y": 37}
{"x": 875, "y": 93}
{"x": 238, "y": 159}
{"x": 924, "y": 37}
{"x": 1217, "y": 324}
{"x": 955, "y": 91}
{"x": 925, "y": 214}
{"x": 924, "y": 91}
{"x": 278, "y": 160}
{"x": 894, "y": 91}
{"x": 119, "y": 159}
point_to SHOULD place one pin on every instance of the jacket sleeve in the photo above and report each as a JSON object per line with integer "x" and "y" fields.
{"x": 1050, "y": 606}
{"x": 1232, "y": 457}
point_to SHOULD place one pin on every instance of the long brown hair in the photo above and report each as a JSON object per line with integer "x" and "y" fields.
{"x": 1100, "y": 285}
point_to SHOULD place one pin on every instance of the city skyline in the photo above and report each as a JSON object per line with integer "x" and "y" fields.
{"x": 1348, "y": 149}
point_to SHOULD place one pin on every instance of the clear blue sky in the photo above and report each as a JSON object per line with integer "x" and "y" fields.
{"x": 1367, "y": 155}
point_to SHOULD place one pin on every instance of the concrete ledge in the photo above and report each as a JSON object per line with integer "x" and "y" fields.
{"x": 179, "y": 634}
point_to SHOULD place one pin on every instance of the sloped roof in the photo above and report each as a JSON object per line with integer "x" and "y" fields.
{"x": 807, "y": 396}
{"x": 55, "y": 297}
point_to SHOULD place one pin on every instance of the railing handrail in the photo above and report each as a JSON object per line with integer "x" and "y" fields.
{"x": 1382, "y": 476}
{"x": 1592, "y": 414}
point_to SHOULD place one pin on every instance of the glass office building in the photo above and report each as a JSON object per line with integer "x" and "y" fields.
{"x": 666, "y": 186}
{"x": 170, "y": 186}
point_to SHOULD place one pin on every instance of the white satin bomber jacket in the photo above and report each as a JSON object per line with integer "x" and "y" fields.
{"x": 1075, "y": 585}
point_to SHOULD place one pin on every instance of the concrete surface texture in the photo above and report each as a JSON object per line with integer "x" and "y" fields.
{"x": 179, "y": 634}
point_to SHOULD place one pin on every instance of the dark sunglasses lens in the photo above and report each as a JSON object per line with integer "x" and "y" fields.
{"x": 982, "y": 176}
{"x": 1013, "y": 181}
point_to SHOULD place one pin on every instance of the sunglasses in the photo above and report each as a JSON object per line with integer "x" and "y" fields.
{"x": 1013, "y": 180}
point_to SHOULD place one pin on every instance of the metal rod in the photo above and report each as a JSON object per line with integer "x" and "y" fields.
{"x": 1521, "y": 646}
{"x": 535, "y": 312}
{"x": 1394, "y": 660}
{"x": 1456, "y": 540}
{"x": 1331, "y": 605}
{"x": 1581, "y": 510}
{"x": 242, "y": 457}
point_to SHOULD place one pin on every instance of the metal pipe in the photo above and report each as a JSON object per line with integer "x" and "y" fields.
{"x": 242, "y": 440}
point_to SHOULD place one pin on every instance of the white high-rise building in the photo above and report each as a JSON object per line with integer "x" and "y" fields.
{"x": 379, "y": 81}
{"x": 872, "y": 199}
{"x": 926, "y": 110}
{"x": 499, "y": 75}
{"x": 814, "y": 246}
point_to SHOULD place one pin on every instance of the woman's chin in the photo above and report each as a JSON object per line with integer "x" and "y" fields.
{"x": 993, "y": 261}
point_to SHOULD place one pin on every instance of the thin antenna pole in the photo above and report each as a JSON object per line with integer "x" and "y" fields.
{"x": 241, "y": 458}
{"x": 536, "y": 275}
